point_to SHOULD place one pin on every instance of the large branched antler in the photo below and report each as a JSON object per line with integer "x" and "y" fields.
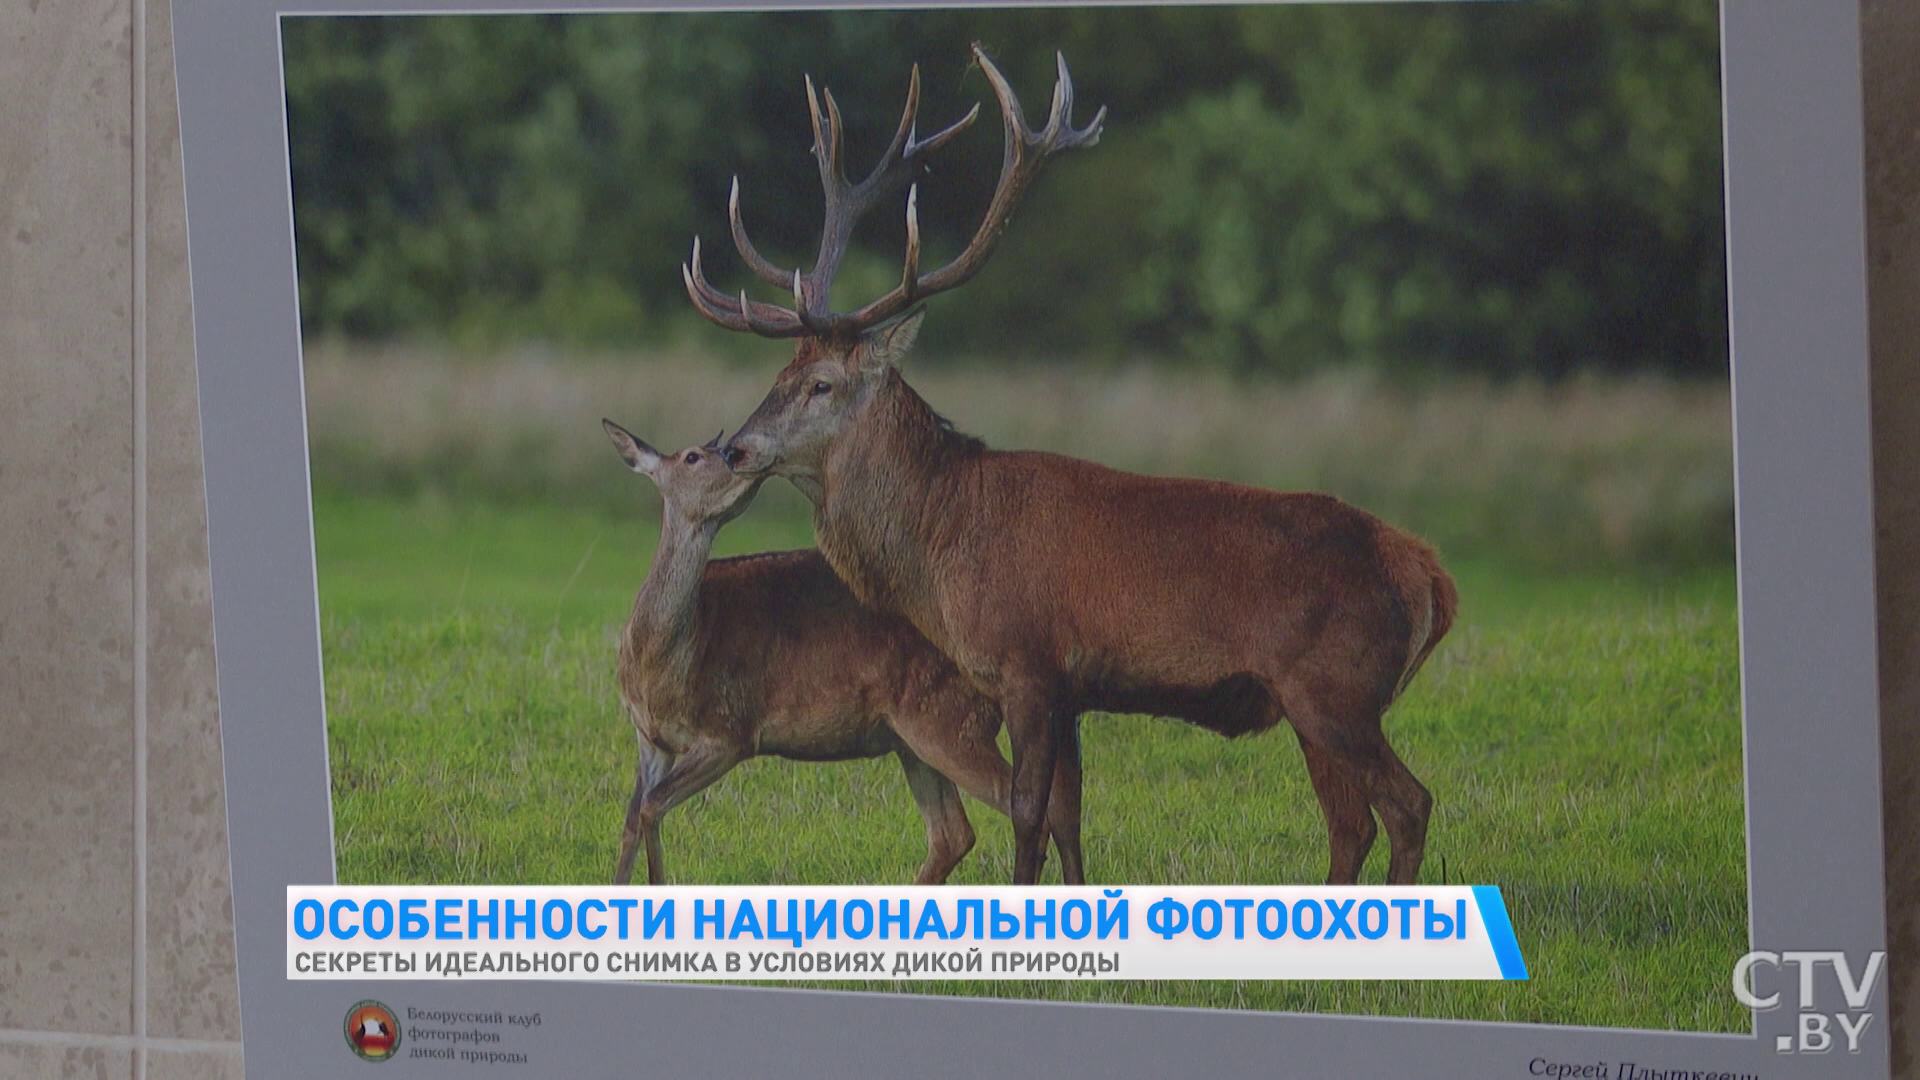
{"x": 904, "y": 159}
{"x": 902, "y": 163}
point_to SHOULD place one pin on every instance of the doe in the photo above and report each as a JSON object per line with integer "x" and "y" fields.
{"x": 727, "y": 659}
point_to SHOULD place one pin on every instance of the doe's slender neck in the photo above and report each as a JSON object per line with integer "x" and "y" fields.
{"x": 664, "y": 612}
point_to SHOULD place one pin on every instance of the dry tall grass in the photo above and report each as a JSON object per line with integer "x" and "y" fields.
{"x": 1592, "y": 471}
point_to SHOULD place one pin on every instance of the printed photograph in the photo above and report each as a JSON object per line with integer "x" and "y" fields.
{"x": 1263, "y": 444}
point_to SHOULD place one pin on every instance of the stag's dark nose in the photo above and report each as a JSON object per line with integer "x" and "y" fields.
{"x": 733, "y": 456}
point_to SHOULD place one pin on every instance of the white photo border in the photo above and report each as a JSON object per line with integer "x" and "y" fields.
{"x": 1798, "y": 310}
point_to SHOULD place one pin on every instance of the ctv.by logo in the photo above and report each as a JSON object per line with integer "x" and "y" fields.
{"x": 1814, "y": 1034}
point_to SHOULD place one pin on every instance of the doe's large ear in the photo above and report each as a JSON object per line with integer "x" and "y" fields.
{"x": 639, "y": 457}
{"x": 890, "y": 343}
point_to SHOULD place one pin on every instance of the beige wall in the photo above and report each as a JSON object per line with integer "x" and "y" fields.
{"x": 115, "y": 923}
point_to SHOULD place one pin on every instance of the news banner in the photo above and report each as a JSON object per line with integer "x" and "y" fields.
{"x": 899, "y": 932}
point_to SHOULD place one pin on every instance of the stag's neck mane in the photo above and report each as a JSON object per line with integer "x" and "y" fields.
{"x": 664, "y": 623}
{"x": 892, "y": 498}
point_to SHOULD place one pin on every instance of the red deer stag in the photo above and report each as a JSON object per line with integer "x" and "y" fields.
{"x": 1060, "y": 586}
{"x": 727, "y": 659}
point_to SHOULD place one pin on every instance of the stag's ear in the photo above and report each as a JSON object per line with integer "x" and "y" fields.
{"x": 639, "y": 457}
{"x": 889, "y": 344}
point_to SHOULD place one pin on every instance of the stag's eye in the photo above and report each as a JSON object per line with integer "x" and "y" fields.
{"x": 691, "y": 458}
{"x": 822, "y": 387}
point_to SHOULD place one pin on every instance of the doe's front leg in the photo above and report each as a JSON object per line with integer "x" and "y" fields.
{"x": 654, "y": 763}
{"x": 691, "y": 772}
{"x": 949, "y": 833}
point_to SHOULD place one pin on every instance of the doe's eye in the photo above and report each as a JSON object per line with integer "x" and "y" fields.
{"x": 821, "y": 388}
{"x": 691, "y": 458}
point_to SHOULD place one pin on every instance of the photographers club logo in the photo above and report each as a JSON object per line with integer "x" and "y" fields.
{"x": 1756, "y": 982}
{"x": 372, "y": 1031}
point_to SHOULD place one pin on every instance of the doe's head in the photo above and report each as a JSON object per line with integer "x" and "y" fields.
{"x": 695, "y": 483}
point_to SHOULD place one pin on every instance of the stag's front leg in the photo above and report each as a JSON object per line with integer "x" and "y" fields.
{"x": 1063, "y": 811}
{"x": 1029, "y": 719}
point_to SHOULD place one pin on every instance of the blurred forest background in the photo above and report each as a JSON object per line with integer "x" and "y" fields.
{"x": 1460, "y": 262}
{"x": 1489, "y": 188}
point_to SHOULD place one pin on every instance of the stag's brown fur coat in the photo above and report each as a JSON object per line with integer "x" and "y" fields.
{"x": 1061, "y": 586}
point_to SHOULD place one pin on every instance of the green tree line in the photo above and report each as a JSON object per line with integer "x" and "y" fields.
{"x": 1491, "y": 188}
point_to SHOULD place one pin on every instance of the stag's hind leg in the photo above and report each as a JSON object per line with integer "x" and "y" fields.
{"x": 1350, "y": 826}
{"x": 1344, "y": 729}
{"x": 1405, "y": 805}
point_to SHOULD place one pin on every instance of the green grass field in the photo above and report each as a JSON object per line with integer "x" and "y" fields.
{"x": 1580, "y": 732}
